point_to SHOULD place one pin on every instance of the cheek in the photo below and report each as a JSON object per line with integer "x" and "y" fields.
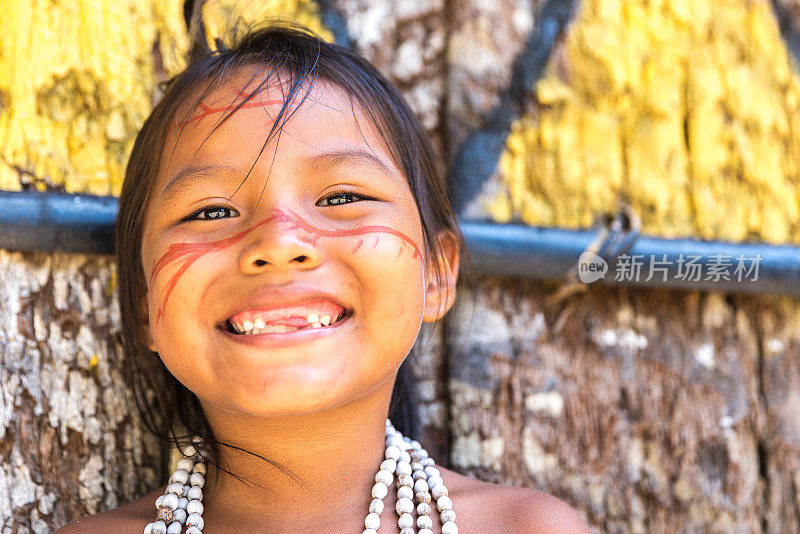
{"x": 392, "y": 271}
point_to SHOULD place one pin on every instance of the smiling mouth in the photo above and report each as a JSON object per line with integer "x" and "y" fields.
{"x": 312, "y": 322}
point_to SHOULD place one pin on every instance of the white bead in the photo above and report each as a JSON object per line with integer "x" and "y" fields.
{"x": 195, "y": 520}
{"x": 438, "y": 491}
{"x": 194, "y": 507}
{"x": 174, "y": 528}
{"x": 170, "y": 500}
{"x": 189, "y": 451}
{"x": 160, "y": 501}
{"x": 405, "y": 480}
{"x": 404, "y": 506}
{"x": 197, "y": 480}
{"x": 404, "y": 456}
{"x": 370, "y": 531}
{"x": 407, "y": 530}
{"x": 176, "y": 488}
{"x": 372, "y": 521}
{"x": 431, "y": 471}
{"x": 425, "y": 531}
{"x": 179, "y": 515}
{"x": 185, "y": 491}
{"x": 389, "y": 465}
{"x": 423, "y": 508}
{"x": 159, "y": 527}
{"x": 403, "y": 468}
{"x": 416, "y": 444}
{"x": 185, "y": 464}
{"x": 148, "y": 529}
{"x": 405, "y": 492}
{"x": 181, "y": 475}
{"x": 424, "y": 521}
{"x": 384, "y": 476}
{"x": 183, "y": 502}
{"x": 444, "y": 503}
{"x": 376, "y": 506}
{"x": 392, "y": 452}
{"x": 193, "y": 530}
{"x": 195, "y": 493}
{"x": 427, "y": 461}
{"x": 405, "y": 521}
{"x": 449, "y": 528}
{"x": 448, "y": 515}
{"x": 435, "y": 480}
{"x": 420, "y": 486}
{"x": 199, "y": 468}
{"x": 379, "y": 490}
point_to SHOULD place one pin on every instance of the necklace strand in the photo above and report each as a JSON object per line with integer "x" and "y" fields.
{"x": 418, "y": 480}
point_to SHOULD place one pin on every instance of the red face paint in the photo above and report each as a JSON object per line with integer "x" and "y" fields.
{"x": 205, "y": 110}
{"x": 188, "y": 253}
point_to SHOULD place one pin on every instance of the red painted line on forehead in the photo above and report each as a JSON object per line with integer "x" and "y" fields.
{"x": 206, "y": 111}
{"x": 191, "y": 252}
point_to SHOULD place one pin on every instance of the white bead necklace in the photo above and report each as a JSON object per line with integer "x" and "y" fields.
{"x": 418, "y": 480}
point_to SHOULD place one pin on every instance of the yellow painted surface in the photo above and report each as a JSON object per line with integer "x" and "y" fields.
{"x": 78, "y": 78}
{"x": 220, "y": 15}
{"x": 76, "y": 81}
{"x": 689, "y": 110}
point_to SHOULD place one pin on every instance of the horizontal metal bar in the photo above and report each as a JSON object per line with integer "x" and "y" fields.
{"x": 85, "y": 224}
{"x": 57, "y": 222}
{"x": 553, "y": 253}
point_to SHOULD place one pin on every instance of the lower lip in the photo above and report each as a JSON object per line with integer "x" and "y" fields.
{"x": 285, "y": 339}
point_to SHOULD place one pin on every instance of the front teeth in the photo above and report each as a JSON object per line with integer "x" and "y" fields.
{"x": 257, "y": 326}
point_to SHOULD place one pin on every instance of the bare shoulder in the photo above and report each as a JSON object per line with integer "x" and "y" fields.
{"x": 485, "y": 507}
{"x": 128, "y": 518}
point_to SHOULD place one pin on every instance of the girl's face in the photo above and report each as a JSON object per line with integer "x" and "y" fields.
{"x": 287, "y": 246}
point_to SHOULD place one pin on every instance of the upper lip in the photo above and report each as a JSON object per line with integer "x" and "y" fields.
{"x": 282, "y": 297}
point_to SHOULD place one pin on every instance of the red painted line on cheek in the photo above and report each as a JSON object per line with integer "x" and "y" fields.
{"x": 356, "y": 231}
{"x": 360, "y": 242}
{"x": 188, "y": 253}
{"x": 194, "y": 251}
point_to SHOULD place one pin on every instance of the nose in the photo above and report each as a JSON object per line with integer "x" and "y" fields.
{"x": 278, "y": 243}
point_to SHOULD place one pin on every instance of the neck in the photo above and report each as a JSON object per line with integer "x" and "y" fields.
{"x": 330, "y": 458}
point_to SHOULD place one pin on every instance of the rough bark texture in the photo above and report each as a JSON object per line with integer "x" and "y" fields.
{"x": 71, "y": 443}
{"x": 651, "y": 411}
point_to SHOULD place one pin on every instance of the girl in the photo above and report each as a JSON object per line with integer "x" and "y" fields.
{"x": 283, "y": 231}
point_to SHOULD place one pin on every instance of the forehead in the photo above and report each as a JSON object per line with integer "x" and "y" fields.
{"x": 318, "y": 119}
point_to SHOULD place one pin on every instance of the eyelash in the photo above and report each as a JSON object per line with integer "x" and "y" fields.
{"x": 196, "y": 215}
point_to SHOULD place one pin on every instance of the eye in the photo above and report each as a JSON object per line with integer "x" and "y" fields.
{"x": 210, "y": 213}
{"x": 341, "y": 197}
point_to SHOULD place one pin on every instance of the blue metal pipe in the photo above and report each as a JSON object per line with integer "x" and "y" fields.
{"x": 85, "y": 224}
{"x": 57, "y": 222}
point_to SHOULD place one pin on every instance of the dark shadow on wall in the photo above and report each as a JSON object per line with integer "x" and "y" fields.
{"x": 476, "y": 159}
{"x": 789, "y": 24}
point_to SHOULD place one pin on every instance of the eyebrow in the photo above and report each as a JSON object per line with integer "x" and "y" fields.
{"x": 186, "y": 177}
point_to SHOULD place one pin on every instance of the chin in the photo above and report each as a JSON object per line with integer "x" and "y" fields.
{"x": 282, "y": 393}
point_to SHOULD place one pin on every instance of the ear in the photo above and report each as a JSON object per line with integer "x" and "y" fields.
{"x": 441, "y": 294}
{"x": 144, "y": 315}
